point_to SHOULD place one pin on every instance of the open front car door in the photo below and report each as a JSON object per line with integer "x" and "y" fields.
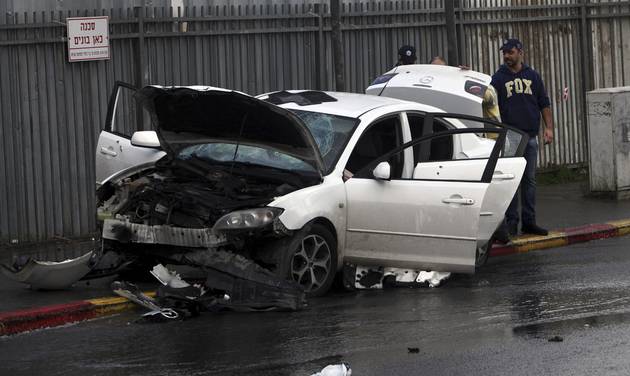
{"x": 430, "y": 218}
{"x": 119, "y": 146}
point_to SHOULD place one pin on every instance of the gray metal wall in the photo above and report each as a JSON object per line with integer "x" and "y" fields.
{"x": 51, "y": 111}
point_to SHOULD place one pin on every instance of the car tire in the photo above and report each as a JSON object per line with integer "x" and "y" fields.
{"x": 481, "y": 257}
{"x": 310, "y": 259}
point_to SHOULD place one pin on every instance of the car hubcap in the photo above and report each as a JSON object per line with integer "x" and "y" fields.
{"x": 310, "y": 265}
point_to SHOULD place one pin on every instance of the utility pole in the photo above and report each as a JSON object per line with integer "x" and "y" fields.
{"x": 451, "y": 32}
{"x": 335, "y": 15}
{"x": 141, "y": 61}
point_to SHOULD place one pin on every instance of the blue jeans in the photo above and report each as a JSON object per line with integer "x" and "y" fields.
{"x": 527, "y": 189}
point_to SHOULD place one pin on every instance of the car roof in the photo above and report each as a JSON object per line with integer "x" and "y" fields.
{"x": 349, "y": 104}
{"x": 442, "y": 71}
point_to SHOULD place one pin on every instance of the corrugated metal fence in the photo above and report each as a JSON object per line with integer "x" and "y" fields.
{"x": 51, "y": 111}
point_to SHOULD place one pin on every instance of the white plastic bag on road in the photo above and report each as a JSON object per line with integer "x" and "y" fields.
{"x": 342, "y": 369}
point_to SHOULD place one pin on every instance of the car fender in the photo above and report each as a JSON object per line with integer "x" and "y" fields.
{"x": 326, "y": 200}
{"x": 132, "y": 170}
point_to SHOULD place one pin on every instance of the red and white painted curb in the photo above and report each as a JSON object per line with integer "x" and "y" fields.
{"x": 61, "y": 314}
{"x": 45, "y": 317}
{"x": 568, "y": 236}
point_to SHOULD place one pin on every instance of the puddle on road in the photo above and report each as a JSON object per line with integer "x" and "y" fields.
{"x": 563, "y": 327}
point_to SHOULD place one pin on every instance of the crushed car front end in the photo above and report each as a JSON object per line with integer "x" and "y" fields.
{"x": 228, "y": 157}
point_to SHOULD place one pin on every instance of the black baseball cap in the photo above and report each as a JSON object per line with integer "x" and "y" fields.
{"x": 508, "y": 44}
{"x": 407, "y": 53}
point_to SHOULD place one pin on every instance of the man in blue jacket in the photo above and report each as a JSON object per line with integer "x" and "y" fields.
{"x": 522, "y": 99}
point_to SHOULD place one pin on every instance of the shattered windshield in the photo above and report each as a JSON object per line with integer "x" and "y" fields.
{"x": 331, "y": 133}
{"x": 223, "y": 152}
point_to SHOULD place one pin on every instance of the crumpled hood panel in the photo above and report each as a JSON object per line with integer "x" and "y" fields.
{"x": 185, "y": 117}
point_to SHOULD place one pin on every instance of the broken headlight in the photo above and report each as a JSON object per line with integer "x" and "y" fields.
{"x": 247, "y": 219}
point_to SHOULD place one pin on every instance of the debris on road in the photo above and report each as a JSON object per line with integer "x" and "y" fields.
{"x": 361, "y": 277}
{"x": 250, "y": 286}
{"x": 434, "y": 279}
{"x": 413, "y": 350}
{"x": 342, "y": 369}
{"x": 50, "y": 275}
{"x": 555, "y": 339}
{"x": 133, "y": 293}
{"x": 232, "y": 282}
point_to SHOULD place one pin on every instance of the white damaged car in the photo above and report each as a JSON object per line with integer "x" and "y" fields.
{"x": 305, "y": 181}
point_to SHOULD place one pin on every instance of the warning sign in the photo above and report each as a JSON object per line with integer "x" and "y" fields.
{"x": 88, "y": 38}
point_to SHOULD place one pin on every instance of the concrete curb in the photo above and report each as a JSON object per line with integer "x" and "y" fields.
{"x": 46, "y": 317}
{"x": 569, "y": 236}
{"x": 61, "y": 314}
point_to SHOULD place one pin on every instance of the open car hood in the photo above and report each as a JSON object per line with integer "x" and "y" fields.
{"x": 185, "y": 116}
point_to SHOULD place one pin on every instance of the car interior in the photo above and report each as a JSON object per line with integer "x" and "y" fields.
{"x": 380, "y": 138}
{"x": 441, "y": 148}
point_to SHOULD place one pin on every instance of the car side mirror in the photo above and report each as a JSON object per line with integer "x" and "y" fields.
{"x": 146, "y": 139}
{"x": 382, "y": 171}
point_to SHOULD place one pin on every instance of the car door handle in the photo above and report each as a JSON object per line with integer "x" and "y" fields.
{"x": 458, "y": 200}
{"x": 503, "y": 176}
{"x": 107, "y": 151}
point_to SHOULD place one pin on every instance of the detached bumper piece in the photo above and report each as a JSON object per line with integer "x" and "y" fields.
{"x": 249, "y": 286}
{"x": 49, "y": 275}
{"x": 232, "y": 283}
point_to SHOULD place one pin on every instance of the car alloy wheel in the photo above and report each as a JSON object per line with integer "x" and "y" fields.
{"x": 311, "y": 264}
{"x": 311, "y": 259}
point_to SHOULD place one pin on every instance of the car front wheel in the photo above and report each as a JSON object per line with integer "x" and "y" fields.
{"x": 311, "y": 259}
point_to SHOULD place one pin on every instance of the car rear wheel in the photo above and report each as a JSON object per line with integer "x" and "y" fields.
{"x": 311, "y": 259}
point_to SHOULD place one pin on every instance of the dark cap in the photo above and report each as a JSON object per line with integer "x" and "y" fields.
{"x": 407, "y": 54}
{"x": 508, "y": 44}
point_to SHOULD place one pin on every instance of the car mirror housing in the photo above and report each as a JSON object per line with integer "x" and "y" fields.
{"x": 147, "y": 139}
{"x": 382, "y": 171}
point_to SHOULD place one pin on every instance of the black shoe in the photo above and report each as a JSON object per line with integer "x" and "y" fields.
{"x": 512, "y": 230}
{"x": 501, "y": 236}
{"x": 534, "y": 229}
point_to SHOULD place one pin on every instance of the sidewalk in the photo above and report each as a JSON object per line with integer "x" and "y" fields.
{"x": 564, "y": 208}
{"x": 572, "y": 217}
{"x": 565, "y": 205}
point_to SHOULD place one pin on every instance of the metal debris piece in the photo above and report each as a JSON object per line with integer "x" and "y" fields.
{"x": 50, "y": 275}
{"x": 133, "y": 293}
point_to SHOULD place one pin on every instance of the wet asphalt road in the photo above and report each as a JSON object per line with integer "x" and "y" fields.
{"x": 497, "y": 322}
